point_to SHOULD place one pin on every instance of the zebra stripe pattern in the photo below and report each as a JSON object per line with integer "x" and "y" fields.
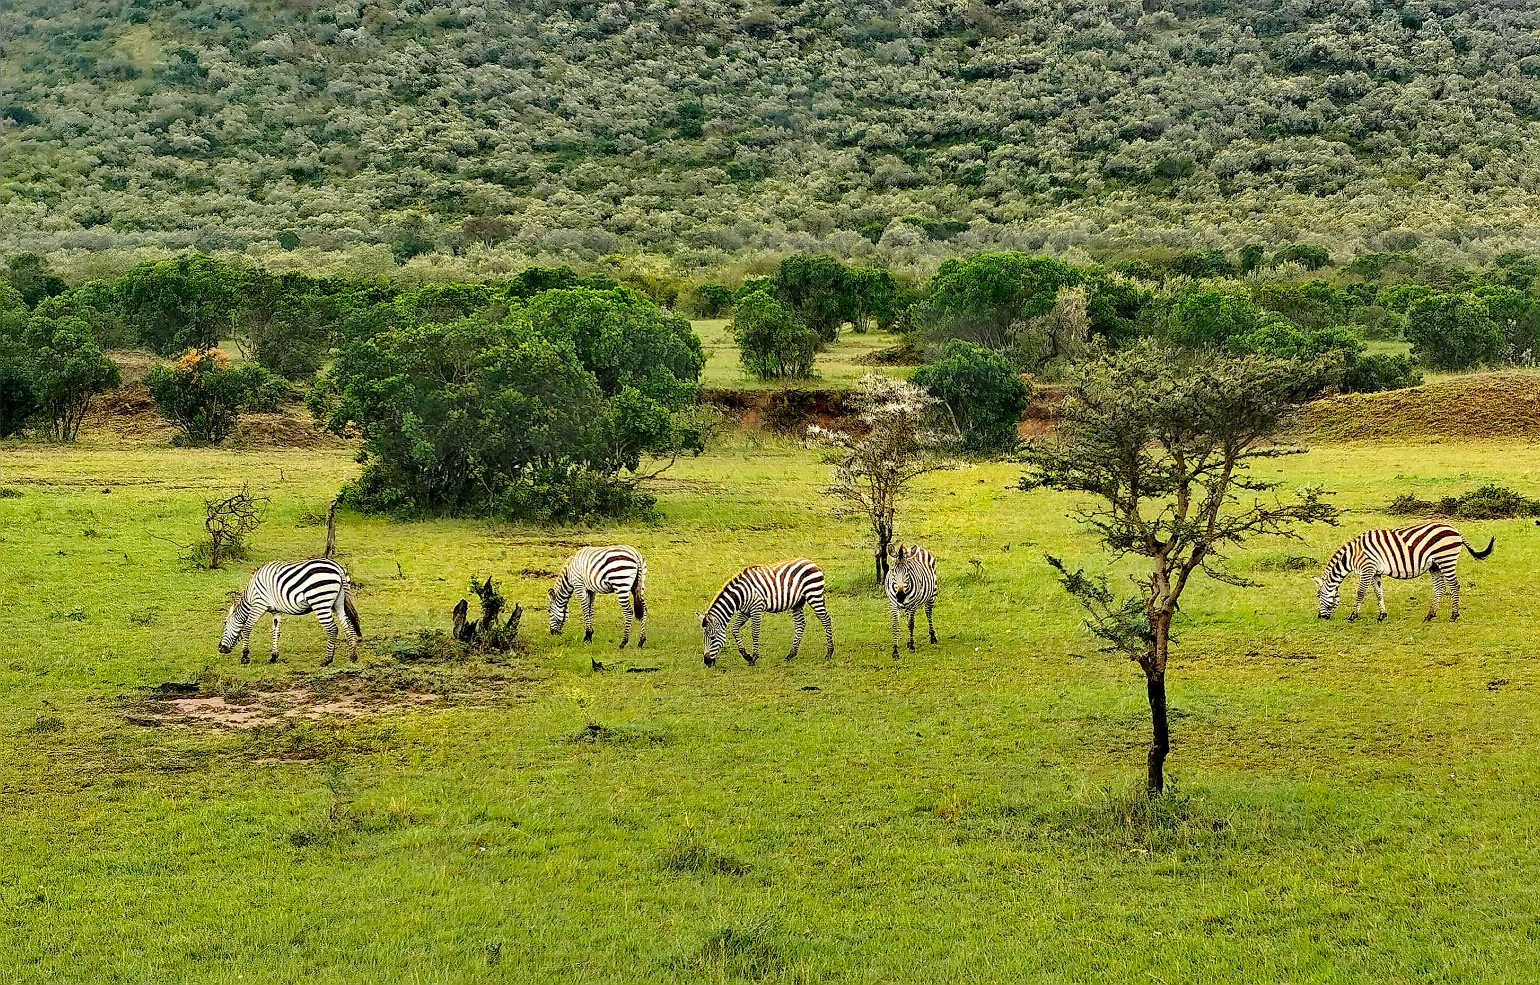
{"x": 292, "y": 588}
{"x": 911, "y": 583}
{"x": 1405, "y": 552}
{"x": 615, "y": 570}
{"x": 762, "y": 588}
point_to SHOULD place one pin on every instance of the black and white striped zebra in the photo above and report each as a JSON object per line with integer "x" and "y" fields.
{"x": 1405, "y": 552}
{"x": 292, "y": 588}
{"x": 762, "y": 588}
{"x": 911, "y": 583}
{"x": 616, "y": 570}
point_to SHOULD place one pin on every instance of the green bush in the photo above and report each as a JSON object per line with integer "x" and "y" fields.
{"x": 1309, "y": 256}
{"x": 772, "y": 344}
{"x": 983, "y": 392}
{"x": 1453, "y": 331}
{"x": 1372, "y": 374}
{"x": 50, "y": 370}
{"x": 506, "y": 419}
{"x": 710, "y": 300}
{"x": 204, "y": 396}
{"x": 188, "y": 302}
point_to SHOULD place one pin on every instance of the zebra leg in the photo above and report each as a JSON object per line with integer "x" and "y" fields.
{"x": 893, "y": 605}
{"x": 274, "y": 658}
{"x": 1364, "y": 578}
{"x": 739, "y": 618}
{"x": 911, "y": 630}
{"x": 1454, "y": 596}
{"x": 588, "y": 616}
{"x": 800, "y": 621}
{"x": 1438, "y": 593}
{"x": 626, "y": 613}
{"x": 754, "y": 618}
{"x": 330, "y": 625}
{"x": 822, "y": 612}
{"x": 1379, "y": 594}
{"x": 929, "y": 604}
{"x": 246, "y": 641}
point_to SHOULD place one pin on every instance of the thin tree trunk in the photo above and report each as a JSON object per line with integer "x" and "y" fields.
{"x": 1160, "y": 744}
{"x": 884, "y": 541}
{"x": 331, "y": 529}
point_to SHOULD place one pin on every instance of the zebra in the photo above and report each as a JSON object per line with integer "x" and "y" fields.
{"x": 761, "y": 588}
{"x": 292, "y": 588}
{"x": 911, "y": 583}
{"x": 615, "y": 570}
{"x": 1405, "y": 552}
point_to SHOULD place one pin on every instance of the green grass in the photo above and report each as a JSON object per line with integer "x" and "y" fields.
{"x": 840, "y": 365}
{"x": 1353, "y": 801}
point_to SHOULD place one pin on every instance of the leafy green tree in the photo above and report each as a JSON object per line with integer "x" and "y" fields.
{"x": 711, "y": 300}
{"x": 18, "y": 397}
{"x": 982, "y": 391}
{"x": 1211, "y": 316}
{"x": 1453, "y": 331}
{"x": 1203, "y": 263}
{"x": 1516, "y": 314}
{"x": 187, "y": 302}
{"x": 29, "y": 274}
{"x": 535, "y": 280}
{"x": 624, "y": 339}
{"x": 68, "y": 370}
{"x": 204, "y": 395}
{"x": 1162, "y": 443}
{"x": 878, "y": 296}
{"x": 1314, "y": 304}
{"x": 986, "y": 299}
{"x": 772, "y": 344}
{"x": 471, "y": 417}
{"x": 1251, "y": 257}
{"x": 818, "y": 290}
{"x": 286, "y": 323}
{"x": 1356, "y": 372}
{"x": 1307, "y": 255}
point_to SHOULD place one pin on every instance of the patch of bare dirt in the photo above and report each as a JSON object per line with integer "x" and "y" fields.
{"x": 260, "y": 707}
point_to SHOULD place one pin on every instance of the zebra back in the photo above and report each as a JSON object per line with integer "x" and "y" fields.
{"x": 1401, "y": 552}
{"x": 295, "y": 587}
{"x": 780, "y": 586}
{"x": 601, "y": 570}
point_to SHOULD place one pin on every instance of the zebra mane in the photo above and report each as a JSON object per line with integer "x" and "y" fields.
{"x": 722, "y": 594}
{"x": 1336, "y": 565}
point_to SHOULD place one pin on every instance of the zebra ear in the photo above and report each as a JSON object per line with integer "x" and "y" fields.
{"x": 700, "y": 619}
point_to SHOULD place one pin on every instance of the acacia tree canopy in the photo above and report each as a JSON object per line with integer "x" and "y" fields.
{"x": 1162, "y": 443}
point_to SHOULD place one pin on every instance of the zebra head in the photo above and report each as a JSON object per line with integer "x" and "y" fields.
{"x": 557, "y": 607}
{"x": 899, "y": 575}
{"x": 235, "y": 623}
{"x": 714, "y": 633}
{"x": 1326, "y": 595}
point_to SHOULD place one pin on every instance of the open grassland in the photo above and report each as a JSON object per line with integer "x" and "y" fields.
{"x": 1354, "y": 801}
{"x": 841, "y": 364}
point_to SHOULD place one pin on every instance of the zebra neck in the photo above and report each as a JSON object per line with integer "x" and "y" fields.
{"x": 564, "y": 586}
{"x": 723, "y": 606}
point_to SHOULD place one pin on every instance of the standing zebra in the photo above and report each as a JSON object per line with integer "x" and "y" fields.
{"x": 615, "y": 570}
{"x": 292, "y": 588}
{"x": 911, "y": 583}
{"x": 762, "y": 588}
{"x": 1405, "y": 552}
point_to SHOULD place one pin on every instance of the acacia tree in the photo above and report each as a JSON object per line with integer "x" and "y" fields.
{"x": 1163, "y": 443}
{"x": 899, "y": 445}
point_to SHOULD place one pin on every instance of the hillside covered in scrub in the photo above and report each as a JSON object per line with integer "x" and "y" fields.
{"x": 703, "y": 129}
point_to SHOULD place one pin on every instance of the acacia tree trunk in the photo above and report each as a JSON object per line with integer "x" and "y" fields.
{"x": 884, "y": 541}
{"x": 331, "y": 529}
{"x": 1155, "y": 688}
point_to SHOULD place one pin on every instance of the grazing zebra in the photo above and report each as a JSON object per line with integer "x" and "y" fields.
{"x": 762, "y": 588}
{"x": 1405, "y": 552}
{"x": 911, "y": 583}
{"x": 292, "y": 588}
{"x": 615, "y": 570}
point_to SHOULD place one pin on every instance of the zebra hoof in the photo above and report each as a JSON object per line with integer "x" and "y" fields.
{"x": 1382, "y": 616}
{"x": 588, "y": 636}
{"x": 911, "y": 646}
{"x": 1353, "y": 617}
{"x": 1454, "y": 617}
{"x": 641, "y": 642}
{"x": 274, "y": 659}
{"x": 933, "y": 638}
{"x": 352, "y": 658}
{"x": 597, "y": 666}
{"x": 245, "y": 658}
{"x": 324, "y": 663}
{"x": 895, "y": 651}
{"x": 1429, "y": 617}
{"x": 790, "y": 655}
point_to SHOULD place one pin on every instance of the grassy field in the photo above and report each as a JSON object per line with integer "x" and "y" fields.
{"x": 841, "y": 364}
{"x": 1353, "y": 801}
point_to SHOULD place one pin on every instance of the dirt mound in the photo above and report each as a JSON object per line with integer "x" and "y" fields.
{"x": 1487, "y": 405}
{"x": 128, "y": 414}
{"x": 258, "y": 707}
{"x": 1041, "y": 414}
{"x": 787, "y": 411}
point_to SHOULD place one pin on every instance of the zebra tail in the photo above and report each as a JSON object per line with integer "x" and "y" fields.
{"x": 1478, "y": 555}
{"x": 636, "y": 594}
{"x": 350, "y": 611}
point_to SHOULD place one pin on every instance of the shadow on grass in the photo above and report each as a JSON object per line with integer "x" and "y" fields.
{"x": 689, "y": 854}
{"x": 753, "y": 949}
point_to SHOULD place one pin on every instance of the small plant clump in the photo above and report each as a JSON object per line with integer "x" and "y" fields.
{"x": 1487, "y": 503}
